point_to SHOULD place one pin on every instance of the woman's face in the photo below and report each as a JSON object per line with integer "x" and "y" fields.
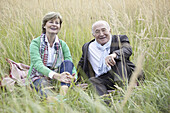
{"x": 53, "y": 26}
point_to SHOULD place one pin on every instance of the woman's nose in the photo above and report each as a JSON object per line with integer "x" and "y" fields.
{"x": 54, "y": 23}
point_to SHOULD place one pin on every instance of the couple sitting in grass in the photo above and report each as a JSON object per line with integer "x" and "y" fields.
{"x": 105, "y": 60}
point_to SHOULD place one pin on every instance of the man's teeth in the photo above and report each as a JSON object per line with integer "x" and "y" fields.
{"x": 53, "y": 28}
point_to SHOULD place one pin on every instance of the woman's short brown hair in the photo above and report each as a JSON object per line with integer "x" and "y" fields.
{"x": 49, "y": 16}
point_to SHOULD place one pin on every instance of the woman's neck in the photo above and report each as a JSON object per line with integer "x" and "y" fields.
{"x": 51, "y": 38}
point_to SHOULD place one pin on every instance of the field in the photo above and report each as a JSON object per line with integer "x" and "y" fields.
{"x": 145, "y": 22}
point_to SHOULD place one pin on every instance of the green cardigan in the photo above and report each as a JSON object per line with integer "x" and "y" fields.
{"x": 36, "y": 61}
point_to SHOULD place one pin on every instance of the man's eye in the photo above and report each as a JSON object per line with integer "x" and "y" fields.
{"x": 97, "y": 32}
{"x": 103, "y": 30}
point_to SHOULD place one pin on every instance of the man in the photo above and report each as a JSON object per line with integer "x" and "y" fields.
{"x": 105, "y": 59}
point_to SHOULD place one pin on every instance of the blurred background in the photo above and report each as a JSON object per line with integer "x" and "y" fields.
{"x": 145, "y": 22}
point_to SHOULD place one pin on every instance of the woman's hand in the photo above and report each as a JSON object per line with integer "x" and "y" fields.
{"x": 63, "y": 77}
{"x": 109, "y": 60}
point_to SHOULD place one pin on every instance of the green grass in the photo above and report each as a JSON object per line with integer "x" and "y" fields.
{"x": 145, "y": 22}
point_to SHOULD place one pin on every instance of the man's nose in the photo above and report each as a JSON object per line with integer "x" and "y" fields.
{"x": 101, "y": 32}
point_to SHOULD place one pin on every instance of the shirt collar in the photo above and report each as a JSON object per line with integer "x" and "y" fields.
{"x": 56, "y": 39}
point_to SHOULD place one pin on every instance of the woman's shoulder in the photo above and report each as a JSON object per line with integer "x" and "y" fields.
{"x": 62, "y": 42}
{"x": 36, "y": 39}
{"x": 35, "y": 42}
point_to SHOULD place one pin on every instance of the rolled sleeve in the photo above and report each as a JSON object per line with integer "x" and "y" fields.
{"x": 51, "y": 74}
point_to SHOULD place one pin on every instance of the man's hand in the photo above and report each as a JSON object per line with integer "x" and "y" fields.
{"x": 63, "y": 77}
{"x": 110, "y": 59}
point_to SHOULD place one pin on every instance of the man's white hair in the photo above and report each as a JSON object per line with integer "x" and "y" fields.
{"x": 100, "y": 21}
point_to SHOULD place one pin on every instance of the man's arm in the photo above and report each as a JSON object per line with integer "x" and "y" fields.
{"x": 80, "y": 65}
{"x": 124, "y": 51}
{"x": 81, "y": 62}
{"x": 125, "y": 48}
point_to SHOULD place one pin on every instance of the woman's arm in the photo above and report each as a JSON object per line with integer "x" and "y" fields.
{"x": 36, "y": 60}
{"x": 67, "y": 55}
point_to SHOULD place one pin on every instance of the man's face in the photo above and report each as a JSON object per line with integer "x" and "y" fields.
{"x": 101, "y": 33}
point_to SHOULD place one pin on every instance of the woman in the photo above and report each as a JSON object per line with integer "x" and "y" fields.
{"x": 50, "y": 58}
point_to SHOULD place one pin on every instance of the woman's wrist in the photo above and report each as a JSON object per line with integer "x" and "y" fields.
{"x": 56, "y": 76}
{"x": 51, "y": 74}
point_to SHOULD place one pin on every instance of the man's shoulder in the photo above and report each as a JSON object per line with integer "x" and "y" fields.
{"x": 87, "y": 43}
{"x": 120, "y": 37}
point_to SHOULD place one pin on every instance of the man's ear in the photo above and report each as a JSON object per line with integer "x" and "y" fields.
{"x": 93, "y": 34}
{"x": 110, "y": 30}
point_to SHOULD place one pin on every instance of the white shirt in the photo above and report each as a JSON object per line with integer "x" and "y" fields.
{"x": 51, "y": 51}
{"x": 94, "y": 55}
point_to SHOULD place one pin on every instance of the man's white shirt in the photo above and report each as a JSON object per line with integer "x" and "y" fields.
{"x": 94, "y": 55}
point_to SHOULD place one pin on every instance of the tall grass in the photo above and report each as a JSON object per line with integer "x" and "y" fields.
{"x": 145, "y": 22}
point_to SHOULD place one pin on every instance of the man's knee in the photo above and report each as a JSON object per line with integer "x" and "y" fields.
{"x": 98, "y": 85}
{"x": 95, "y": 80}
